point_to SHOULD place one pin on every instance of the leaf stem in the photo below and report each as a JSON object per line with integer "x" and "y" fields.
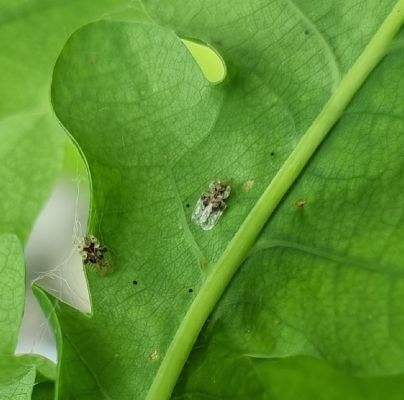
{"x": 221, "y": 273}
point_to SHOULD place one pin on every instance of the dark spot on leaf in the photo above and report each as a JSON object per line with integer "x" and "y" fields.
{"x": 190, "y": 290}
{"x": 187, "y": 205}
{"x": 306, "y": 32}
{"x": 272, "y": 153}
{"x": 135, "y": 282}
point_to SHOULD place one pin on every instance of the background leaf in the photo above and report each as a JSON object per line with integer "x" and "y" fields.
{"x": 32, "y": 34}
{"x": 309, "y": 286}
{"x": 32, "y": 146}
{"x": 17, "y": 374}
{"x": 16, "y": 381}
{"x": 11, "y": 292}
{"x": 31, "y": 153}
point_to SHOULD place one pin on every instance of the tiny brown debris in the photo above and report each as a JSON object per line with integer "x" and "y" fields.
{"x": 247, "y": 186}
{"x": 154, "y": 355}
{"x": 203, "y": 263}
{"x": 300, "y": 203}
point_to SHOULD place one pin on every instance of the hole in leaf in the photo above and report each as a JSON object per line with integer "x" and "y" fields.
{"x": 211, "y": 64}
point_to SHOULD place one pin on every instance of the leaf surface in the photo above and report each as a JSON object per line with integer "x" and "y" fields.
{"x": 31, "y": 155}
{"x": 16, "y": 381}
{"x": 32, "y": 142}
{"x": 325, "y": 277}
{"x": 18, "y": 374}
{"x": 31, "y": 152}
{"x": 11, "y": 292}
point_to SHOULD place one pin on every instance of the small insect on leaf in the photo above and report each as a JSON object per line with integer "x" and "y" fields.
{"x": 210, "y": 205}
{"x": 94, "y": 255}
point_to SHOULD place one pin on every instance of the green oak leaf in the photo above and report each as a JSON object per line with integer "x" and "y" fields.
{"x": 18, "y": 374}
{"x": 16, "y": 381}
{"x": 31, "y": 153}
{"x": 43, "y": 391}
{"x": 32, "y": 34}
{"x": 11, "y": 293}
{"x": 324, "y": 278}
